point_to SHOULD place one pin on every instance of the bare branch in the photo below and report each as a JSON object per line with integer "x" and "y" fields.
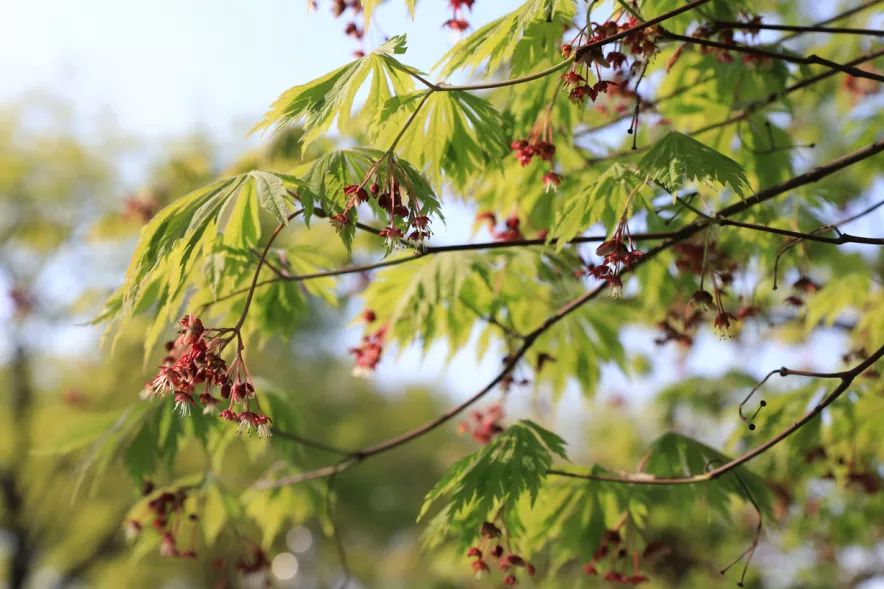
{"x": 847, "y": 377}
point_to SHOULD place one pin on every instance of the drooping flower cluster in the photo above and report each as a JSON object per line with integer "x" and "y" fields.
{"x": 705, "y": 261}
{"x": 611, "y": 557}
{"x": 457, "y": 22}
{"x": 618, "y": 254}
{"x": 352, "y": 29}
{"x": 193, "y": 369}
{"x": 539, "y": 144}
{"x": 490, "y": 546}
{"x": 166, "y": 516}
{"x": 591, "y": 56}
{"x": 404, "y": 217}
{"x": 803, "y": 286}
{"x": 725, "y": 36}
{"x": 527, "y": 149}
{"x": 483, "y": 426}
{"x": 368, "y": 353}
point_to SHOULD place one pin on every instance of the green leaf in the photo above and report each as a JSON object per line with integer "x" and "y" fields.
{"x": 455, "y": 134}
{"x": 512, "y": 465}
{"x": 220, "y": 223}
{"x": 677, "y": 159}
{"x": 602, "y": 201}
{"x": 272, "y": 194}
{"x": 317, "y": 103}
{"x": 675, "y": 455}
{"x": 498, "y": 40}
{"x": 849, "y": 291}
{"x": 425, "y": 299}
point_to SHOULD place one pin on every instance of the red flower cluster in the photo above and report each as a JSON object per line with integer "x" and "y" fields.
{"x": 165, "y": 509}
{"x": 526, "y": 150}
{"x": 725, "y": 35}
{"x": 490, "y": 545}
{"x": 457, "y": 22}
{"x": 368, "y": 353}
{"x": 194, "y": 360}
{"x": 689, "y": 317}
{"x": 510, "y": 231}
{"x": 611, "y": 549}
{"x": 483, "y": 426}
{"x": 352, "y": 29}
{"x": 618, "y": 254}
{"x": 401, "y": 217}
{"x": 802, "y": 286}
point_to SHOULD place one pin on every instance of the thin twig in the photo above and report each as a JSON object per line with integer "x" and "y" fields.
{"x": 725, "y": 24}
{"x": 847, "y": 377}
{"x": 808, "y": 60}
{"x": 752, "y": 107}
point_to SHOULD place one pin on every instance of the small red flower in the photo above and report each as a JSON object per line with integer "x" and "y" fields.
{"x": 725, "y": 324}
{"x": 702, "y": 299}
{"x": 456, "y": 24}
{"x": 551, "y": 181}
{"x": 489, "y": 530}
{"x": 359, "y": 192}
{"x": 572, "y": 78}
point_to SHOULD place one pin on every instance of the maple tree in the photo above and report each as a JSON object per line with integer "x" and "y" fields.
{"x": 708, "y": 154}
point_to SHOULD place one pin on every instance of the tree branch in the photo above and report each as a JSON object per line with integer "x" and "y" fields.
{"x": 809, "y": 60}
{"x": 725, "y": 24}
{"x": 847, "y": 377}
{"x": 551, "y": 70}
{"x": 752, "y": 107}
{"x": 531, "y": 337}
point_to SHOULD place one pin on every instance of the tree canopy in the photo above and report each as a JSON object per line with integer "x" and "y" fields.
{"x": 656, "y": 187}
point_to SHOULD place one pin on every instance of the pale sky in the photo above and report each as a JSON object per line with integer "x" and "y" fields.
{"x": 166, "y": 66}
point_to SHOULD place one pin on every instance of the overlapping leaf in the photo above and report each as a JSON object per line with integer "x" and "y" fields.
{"x": 677, "y": 159}
{"x": 513, "y": 465}
{"x": 318, "y": 103}
{"x": 455, "y": 134}
{"x": 603, "y": 201}
{"x": 219, "y": 222}
{"x": 497, "y": 41}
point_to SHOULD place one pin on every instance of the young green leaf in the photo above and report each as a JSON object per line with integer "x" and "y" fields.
{"x": 455, "y": 134}
{"x": 512, "y": 465}
{"x": 317, "y": 103}
{"x": 677, "y": 159}
{"x": 496, "y": 42}
{"x": 602, "y": 201}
